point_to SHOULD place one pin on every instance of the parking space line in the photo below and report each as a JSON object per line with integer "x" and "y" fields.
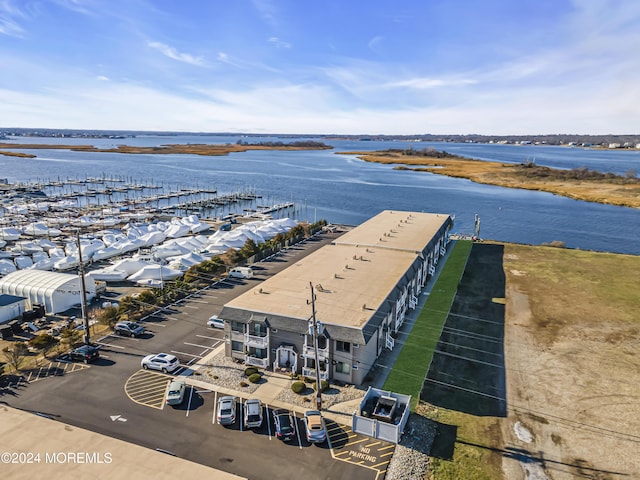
{"x": 110, "y": 345}
{"x": 266, "y": 407}
{"x": 215, "y": 405}
{"x": 206, "y": 347}
{"x": 189, "y": 403}
{"x": 210, "y": 338}
{"x": 348, "y": 444}
{"x": 187, "y": 354}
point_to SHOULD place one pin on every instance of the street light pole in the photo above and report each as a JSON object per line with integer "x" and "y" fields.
{"x": 314, "y": 326}
{"x": 83, "y": 304}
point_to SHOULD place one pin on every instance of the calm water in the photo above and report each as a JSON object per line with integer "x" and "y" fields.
{"x": 342, "y": 189}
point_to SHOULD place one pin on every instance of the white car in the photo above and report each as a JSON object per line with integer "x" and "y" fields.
{"x": 164, "y": 362}
{"x": 215, "y": 322}
{"x": 175, "y": 392}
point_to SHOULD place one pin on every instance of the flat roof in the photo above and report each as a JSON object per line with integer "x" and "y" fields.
{"x": 352, "y": 277}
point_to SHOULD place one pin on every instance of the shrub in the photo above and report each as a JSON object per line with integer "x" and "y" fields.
{"x": 250, "y": 371}
{"x": 255, "y": 377}
{"x": 308, "y": 380}
{"x": 244, "y": 384}
{"x": 298, "y": 387}
{"x": 323, "y": 385}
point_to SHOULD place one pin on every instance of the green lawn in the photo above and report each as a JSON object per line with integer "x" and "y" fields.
{"x": 410, "y": 369}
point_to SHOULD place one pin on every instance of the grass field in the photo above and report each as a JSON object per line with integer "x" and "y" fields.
{"x": 409, "y": 371}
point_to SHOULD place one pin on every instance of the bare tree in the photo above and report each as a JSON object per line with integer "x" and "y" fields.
{"x": 16, "y": 355}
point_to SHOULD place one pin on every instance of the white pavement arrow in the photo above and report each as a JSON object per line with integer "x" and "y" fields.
{"x": 118, "y": 417}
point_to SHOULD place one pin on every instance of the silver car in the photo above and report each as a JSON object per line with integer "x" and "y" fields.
{"x": 226, "y": 410}
{"x": 164, "y": 362}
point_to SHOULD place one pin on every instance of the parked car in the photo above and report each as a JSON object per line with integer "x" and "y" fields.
{"x": 285, "y": 424}
{"x": 161, "y": 361}
{"x": 175, "y": 392}
{"x": 215, "y": 322}
{"x": 226, "y": 410}
{"x": 253, "y": 413}
{"x": 131, "y": 329}
{"x": 241, "y": 272}
{"x": 85, "y": 353}
{"x": 314, "y": 426}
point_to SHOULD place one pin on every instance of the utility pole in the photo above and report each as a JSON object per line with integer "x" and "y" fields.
{"x": 314, "y": 328}
{"x": 83, "y": 304}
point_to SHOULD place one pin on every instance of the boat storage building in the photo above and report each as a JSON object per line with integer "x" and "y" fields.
{"x": 364, "y": 283}
{"x": 56, "y": 291}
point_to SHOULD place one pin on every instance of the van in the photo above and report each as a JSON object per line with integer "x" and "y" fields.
{"x": 241, "y": 272}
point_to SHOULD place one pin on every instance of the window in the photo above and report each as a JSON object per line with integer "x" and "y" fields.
{"x": 342, "y": 367}
{"x": 343, "y": 346}
{"x": 237, "y": 327}
{"x": 237, "y": 346}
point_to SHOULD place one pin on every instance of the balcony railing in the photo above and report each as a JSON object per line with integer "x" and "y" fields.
{"x": 311, "y": 373}
{"x": 308, "y": 351}
{"x": 256, "y": 341}
{"x": 256, "y": 362}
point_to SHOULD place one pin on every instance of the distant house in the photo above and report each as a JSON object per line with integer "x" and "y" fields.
{"x": 364, "y": 282}
{"x": 615, "y": 145}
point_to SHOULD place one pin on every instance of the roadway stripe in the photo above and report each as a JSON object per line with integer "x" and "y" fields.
{"x": 357, "y": 441}
{"x": 387, "y": 447}
{"x": 385, "y": 454}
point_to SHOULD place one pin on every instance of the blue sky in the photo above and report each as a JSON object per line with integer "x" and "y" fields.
{"x": 333, "y": 66}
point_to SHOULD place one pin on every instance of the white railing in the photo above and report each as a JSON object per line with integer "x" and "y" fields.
{"x": 308, "y": 351}
{"x": 256, "y": 362}
{"x": 443, "y": 250}
{"x": 311, "y": 373}
{"x": 389, "y": 341}
{"x": 256, "y": 341}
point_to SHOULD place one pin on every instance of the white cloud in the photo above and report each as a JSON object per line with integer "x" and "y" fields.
{"x": 267, "y": 10}
{"x": 102, "y": 78}
{"x": 426, "y": 83}
{"x": 375, "y": 42}
{"x": 9, "y": 14}
{"x": 175, "y": 55}
{"x": 279, "y": 43}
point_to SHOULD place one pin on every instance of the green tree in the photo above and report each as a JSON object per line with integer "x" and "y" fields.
{"x": 249, "y": 249}
{"x": 107, "y": 316}
{"x": 70, "y": 336}
{"x": 44, "y": 342}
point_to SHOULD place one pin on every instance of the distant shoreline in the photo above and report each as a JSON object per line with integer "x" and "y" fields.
{"x": 586, "y": 186}
{"x": 187, "y": 149}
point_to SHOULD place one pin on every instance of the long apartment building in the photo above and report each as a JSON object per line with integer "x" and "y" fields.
{"x": 364, "y": 283}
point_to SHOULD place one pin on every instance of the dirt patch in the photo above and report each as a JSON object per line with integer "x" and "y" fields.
{"x": 572, "y": 366}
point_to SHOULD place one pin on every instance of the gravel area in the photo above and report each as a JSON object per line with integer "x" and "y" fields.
{"x": 411, "y": 458}
{"x": 332, "y": 396}
{"x": 224, "y": 372}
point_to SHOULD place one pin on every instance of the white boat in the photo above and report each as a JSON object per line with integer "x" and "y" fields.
{"x": 9, "y": 234}
{"x": 7, "y": 266}
{"x": 23, "y": 262}
{"x": 67, "y": 263}
{"x": 107, "y": 275}
{"x": 155, "y": 272}
{"x": 39, "y": 229}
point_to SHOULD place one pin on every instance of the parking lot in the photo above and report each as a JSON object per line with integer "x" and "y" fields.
{"x": 114, "y": 396}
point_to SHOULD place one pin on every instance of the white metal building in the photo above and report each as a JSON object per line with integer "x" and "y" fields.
{"x": 56, "y": 291}
{"x": 11, "y": 307}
